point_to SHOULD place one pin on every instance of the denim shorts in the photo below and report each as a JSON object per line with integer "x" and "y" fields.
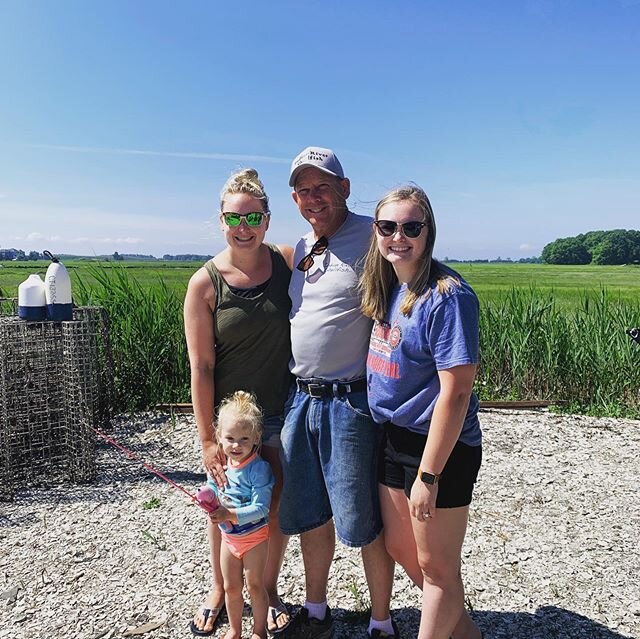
{"x": 329, "y": 457}
{"x": 271, "y": 428}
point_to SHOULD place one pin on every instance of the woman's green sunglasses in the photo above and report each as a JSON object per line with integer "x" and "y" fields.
{"x": 251, "y": 219}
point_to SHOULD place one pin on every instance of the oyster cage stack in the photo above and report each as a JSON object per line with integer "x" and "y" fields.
{"x": 55, "y": 383}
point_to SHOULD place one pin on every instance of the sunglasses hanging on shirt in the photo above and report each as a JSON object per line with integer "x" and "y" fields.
{"x": 317, "y": 249}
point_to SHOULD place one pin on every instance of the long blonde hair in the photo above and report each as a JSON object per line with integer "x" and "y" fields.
{"x": 378, "y": 277}
{"x": 245, "y": 181}
{"x": 242, "y": 406}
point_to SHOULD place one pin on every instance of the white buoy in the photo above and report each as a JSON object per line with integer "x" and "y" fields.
{"x": 32, "y": 303}
{"x": 57, "y": 288}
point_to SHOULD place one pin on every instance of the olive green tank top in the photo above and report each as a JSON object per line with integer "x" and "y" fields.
{"x": 253, "y": 345}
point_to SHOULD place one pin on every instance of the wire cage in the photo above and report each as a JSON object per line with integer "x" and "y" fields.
{"x": 55, "y": 383}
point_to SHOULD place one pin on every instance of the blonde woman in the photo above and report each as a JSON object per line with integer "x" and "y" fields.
{"x": 236, "y": 315}
{"x": 421, "y": 367}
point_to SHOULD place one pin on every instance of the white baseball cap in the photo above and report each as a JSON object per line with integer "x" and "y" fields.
{"x": 320, "y": 158}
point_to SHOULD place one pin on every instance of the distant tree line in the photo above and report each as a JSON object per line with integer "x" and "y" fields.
{"x": 498, "y": 260}
{"x": 20, "y": 256}
{"x": 186, "y": 257}
{"x": 595, "y": 247}
{"x": 16, "y": 254}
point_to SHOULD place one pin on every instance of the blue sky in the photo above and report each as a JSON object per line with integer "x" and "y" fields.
{"x": 120, "y": 121}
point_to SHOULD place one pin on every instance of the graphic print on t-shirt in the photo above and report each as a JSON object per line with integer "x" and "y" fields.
{"x": 385, "y": 338}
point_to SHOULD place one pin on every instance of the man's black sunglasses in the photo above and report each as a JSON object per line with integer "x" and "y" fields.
{"x": 387, "y": 228}
{"x": 317, "y": 249}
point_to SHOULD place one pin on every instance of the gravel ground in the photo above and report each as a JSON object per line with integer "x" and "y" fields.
{"x": 552, "y": 548}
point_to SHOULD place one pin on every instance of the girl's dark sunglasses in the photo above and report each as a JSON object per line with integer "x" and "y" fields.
{"x": 387, "y": 228}
{"x": 317, "y": 249}
{"x": 235, "y": 219}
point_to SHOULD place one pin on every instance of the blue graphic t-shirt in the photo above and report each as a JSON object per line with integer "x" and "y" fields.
{"x": 406, "y": 353}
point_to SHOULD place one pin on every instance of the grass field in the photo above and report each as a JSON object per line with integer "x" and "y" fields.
{"x": 546, "y": 332}
{"x": 566, "y": 284}
{"x": 174, "y": 274}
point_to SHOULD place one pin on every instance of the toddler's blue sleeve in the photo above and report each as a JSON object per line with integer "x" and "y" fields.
{"x": 262, "y": 480}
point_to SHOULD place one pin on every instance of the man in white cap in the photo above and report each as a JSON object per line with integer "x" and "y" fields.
{"x": 329, "y": 441}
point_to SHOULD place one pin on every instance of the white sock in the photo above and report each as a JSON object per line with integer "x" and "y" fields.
{"x": 384, "y": 626}
{"x": 316, "y": 610}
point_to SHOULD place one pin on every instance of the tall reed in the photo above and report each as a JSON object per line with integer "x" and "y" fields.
{"x": 146, "y": 333}
{"x": 532, "y": 349}
{"x": 531, "y": 346}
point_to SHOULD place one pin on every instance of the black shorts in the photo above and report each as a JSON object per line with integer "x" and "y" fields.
{"x": 400, "y": 454}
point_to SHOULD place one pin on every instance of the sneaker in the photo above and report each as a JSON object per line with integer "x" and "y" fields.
{"x": 304, "y": 627}
{"x": 381, "y": 634}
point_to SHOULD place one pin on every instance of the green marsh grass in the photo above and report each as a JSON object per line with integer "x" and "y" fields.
{"x": 489, "y": 280}
{"x": 174, "y": 274}
{"x": 547, "y": 332}
{"x": 146, "y": 333}
{"x": 534, "y": 348}
{"x": 567, "y": 284}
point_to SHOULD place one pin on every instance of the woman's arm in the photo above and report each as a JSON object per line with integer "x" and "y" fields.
{"x": 199, "y": 307}
{"x": 287, "y": 253}
{"x": 456, "y": 385}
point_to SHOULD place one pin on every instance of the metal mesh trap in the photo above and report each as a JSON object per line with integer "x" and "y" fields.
{"x": 54, "y": 385}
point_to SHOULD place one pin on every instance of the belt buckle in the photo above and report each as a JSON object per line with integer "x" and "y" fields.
{"x": 315, "y": 390}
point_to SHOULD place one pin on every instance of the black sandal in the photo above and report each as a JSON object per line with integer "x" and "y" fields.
{"x": 276, "y": 612}
{"x": 206, "y": 613}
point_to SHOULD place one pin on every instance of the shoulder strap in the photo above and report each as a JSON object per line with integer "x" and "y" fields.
{"x": 278, "y": 257}
{"x": 217, "y": 280}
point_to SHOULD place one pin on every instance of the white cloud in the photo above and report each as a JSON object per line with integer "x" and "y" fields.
{"x": 119, "y": 240}
{"x": 169, "y": 154}
{"x": 525, "y": 247}
{"x": 86, "y": 230}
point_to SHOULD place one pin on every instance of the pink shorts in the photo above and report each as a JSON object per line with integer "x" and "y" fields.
{"x": 240, "y": 545}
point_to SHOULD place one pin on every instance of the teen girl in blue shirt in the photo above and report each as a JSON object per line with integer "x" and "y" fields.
{"x": 421, "y": 367}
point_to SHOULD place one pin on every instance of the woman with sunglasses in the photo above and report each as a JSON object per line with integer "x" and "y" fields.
{"x": 421, "y": 367}
{"x": 236, "y": 315}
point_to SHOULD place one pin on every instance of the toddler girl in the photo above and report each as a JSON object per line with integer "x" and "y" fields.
{"x": 243, "y": 515}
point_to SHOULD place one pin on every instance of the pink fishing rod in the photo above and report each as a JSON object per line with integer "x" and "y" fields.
{"x": 131, "y": 455}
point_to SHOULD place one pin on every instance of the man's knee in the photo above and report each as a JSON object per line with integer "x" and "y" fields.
{"x": 320, "y": 539}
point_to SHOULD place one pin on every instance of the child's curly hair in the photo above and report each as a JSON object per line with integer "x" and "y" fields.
{"x": 243, "y": 407}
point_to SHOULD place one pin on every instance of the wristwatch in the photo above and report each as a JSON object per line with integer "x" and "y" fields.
{"x": 428, "y": 478}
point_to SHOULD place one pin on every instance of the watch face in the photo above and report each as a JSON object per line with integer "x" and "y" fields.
{"x": 428, "y": 478}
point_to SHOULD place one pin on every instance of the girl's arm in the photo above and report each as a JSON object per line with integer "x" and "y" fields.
{"x": 456, "y": 385}
{"x": 199, "y": 307}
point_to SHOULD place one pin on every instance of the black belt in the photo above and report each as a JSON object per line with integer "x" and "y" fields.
{"x": 328, "y": 389}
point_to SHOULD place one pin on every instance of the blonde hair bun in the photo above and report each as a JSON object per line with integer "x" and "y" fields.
{"x": 245, "y": 181}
